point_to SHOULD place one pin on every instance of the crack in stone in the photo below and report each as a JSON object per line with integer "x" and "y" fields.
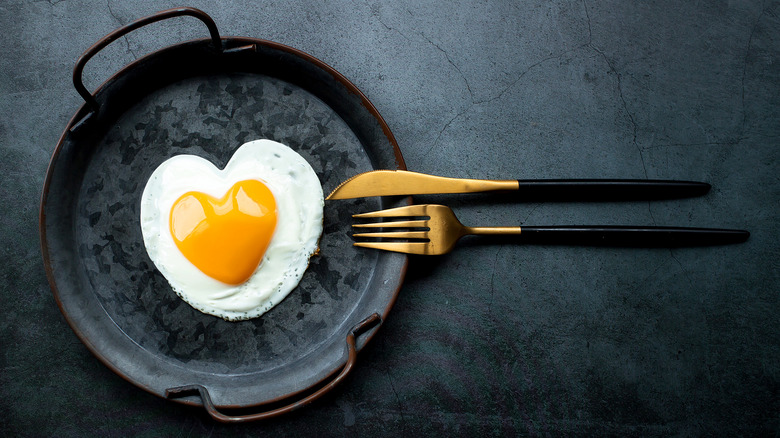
{"x": 444, "y": 128}
{"x": 622, "y": 99}
{"x": 452, "y": 63}
{"x": 587, "y": 17}
{"x": 438, "y": 47}
{"x": 685, "y": 273}
{"x": 526, "y": 71}
{"x": 625, "y": 105}
{"x": 392, "y": 29}
{"x": 536, "y": 207}
{"x": 398, "y": 400}
{"x": 652, "y": 274}
{"x": 745, "y": 66}
{"x": 51, "y": 2}
{"x": 127, "y": 42}
{"x": 499, "y": 96}
{"x": 589, "y": 44}
{"x": 650, "y": 211}
{"x": 619, "y": 87}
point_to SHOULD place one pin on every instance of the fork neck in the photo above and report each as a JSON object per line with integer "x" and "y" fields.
{"x": 491, "y": 230}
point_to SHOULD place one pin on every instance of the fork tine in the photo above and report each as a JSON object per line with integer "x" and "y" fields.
{"x": 396, "y": 234}
{"x": 411, "y": 210}
{"x": 397, "y": 224}
{"x": 409, "y": 248}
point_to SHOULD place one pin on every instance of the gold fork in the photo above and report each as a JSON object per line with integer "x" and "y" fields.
{"x": 434, "y": 230}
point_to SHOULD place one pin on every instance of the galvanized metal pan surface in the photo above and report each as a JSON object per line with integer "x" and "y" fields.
{"x": 207, "y": 97}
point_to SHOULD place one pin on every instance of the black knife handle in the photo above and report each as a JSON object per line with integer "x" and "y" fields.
{"x": 608, "y": 189}
{"x": 664, "y": 237}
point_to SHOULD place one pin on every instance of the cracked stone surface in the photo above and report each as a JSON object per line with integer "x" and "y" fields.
{"x": 494, "y": 339}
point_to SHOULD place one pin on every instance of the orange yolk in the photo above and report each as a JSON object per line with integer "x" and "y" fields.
{"x": 225, "y": 238}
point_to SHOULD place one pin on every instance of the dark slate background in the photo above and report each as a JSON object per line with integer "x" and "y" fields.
{"x": 491, "y": 339}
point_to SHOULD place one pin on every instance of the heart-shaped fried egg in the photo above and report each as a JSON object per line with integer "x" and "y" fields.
{"x": 233, "y": 242}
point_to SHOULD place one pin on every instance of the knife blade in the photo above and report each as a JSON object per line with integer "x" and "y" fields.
{"x": 402, "y": 182}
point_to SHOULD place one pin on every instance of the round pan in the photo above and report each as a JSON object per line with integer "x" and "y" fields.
{"x": 207, "y": 97}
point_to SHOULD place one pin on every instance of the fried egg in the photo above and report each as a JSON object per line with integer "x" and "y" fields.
{"x": 233, "y": 242}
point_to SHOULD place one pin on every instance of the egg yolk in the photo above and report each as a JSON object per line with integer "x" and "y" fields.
{"x": 225, "y": 238}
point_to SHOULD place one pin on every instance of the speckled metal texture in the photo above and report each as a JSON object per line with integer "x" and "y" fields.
{"x": 193, "y": 99}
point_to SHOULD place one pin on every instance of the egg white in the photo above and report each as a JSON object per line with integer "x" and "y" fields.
{"x": 299, "y": 200}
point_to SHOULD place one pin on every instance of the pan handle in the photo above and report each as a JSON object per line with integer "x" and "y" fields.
{"x": 357, "y": 330}
{"x": 108, "y": 39}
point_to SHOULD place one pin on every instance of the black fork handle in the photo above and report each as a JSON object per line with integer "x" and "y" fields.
{"x": 631, "y": 236}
